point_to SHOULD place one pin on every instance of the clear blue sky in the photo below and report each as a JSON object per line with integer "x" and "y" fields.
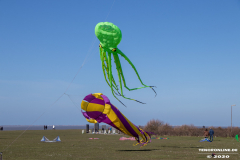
{"x": 189, "y": 49}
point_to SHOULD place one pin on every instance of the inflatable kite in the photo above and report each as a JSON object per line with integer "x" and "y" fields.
{"x": 125, "y": 138}
{"x": 159, "y": 138}
{"x": 205, "y": 140}
{"x": 57, "y": 139}
{"x": 236, "y": 137}
{"x": 99, "y": 109}
{"x": 110, "y": 36}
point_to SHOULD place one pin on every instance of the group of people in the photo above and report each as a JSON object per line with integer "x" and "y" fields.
{"x": 209, "y": 133}
{"x": 45, "y": 127}
{"x": 1, "y": 128}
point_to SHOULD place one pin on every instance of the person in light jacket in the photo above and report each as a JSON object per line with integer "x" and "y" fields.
{"x": 206, "y": 133}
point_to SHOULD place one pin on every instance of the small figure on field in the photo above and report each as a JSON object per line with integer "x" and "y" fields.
{"x": 206, "y": 133}
{"x": 53, "y": 127}
{"x": 46, "y": 127}
{"x": 211, "y": 133}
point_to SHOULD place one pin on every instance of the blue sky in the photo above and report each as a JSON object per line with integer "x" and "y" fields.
{"x": 188, "y": 49}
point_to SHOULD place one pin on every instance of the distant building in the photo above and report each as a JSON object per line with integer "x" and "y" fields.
{"x": 87, "y": 128}
{"x": 96, "y": 126}
{"x": 104, "y": 127}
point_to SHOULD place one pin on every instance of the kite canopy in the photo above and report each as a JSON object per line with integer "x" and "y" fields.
{"x": 236, "y": 137}
{"x": 57, "y": 139}
{"x": 205, "y": 140}
{"x": 99, "y": 109}
{"x": 108, "y": 34}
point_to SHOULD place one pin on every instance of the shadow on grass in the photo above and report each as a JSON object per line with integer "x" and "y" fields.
{"x": 180, "y": 147}
{"x": 141, "y": 150}
{"x": 171, "y": 146}
{"x": 192, "y": 147}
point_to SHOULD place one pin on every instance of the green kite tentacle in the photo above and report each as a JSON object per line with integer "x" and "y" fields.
{"x": 116, "y": 60}
{"x": 116, "y": 90}
{"x": 120, "y": 76}
{"x": 103, "y": 65}
{"x": 123, "y": 55}
{"x": 110, "y": 75}
{"x": 105, "y": 68}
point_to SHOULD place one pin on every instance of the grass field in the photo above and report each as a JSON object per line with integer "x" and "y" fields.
{"x": 75, "y": 145}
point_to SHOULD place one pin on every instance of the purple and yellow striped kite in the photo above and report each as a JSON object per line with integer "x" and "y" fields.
{"x": 99, "y": 109}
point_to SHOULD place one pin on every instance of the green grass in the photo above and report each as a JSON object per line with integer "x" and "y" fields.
{"x": 75, "y": 145}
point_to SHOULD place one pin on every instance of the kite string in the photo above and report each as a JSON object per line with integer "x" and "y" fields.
{"x": 57, "y": 99}
{"x": 65, "y": 90}
{"x": 82, "y": 64}
{"x": 72, "y": 101}
{"x": 109, "y": 11}
{"x": 30, "y": 125}
{"x": 86, "y": 57}
{"x": 88, "y": 51}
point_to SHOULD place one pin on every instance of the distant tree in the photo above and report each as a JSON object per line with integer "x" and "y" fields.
{"x": 153, "y": 126}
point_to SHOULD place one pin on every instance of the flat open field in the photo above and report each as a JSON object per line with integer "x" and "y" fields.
{"x": 75, "y": 145}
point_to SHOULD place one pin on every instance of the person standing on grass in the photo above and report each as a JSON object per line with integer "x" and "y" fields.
{"x": 206, "y": 133}
{"x": 211, "y": 132}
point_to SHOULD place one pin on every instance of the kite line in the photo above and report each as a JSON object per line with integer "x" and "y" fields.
{"x": 64, "y": 91}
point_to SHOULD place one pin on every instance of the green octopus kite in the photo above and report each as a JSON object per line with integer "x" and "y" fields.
{"x": 110, "y": 36}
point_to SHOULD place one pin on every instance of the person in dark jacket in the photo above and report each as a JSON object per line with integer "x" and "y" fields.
{"x": 211, "y": 133}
